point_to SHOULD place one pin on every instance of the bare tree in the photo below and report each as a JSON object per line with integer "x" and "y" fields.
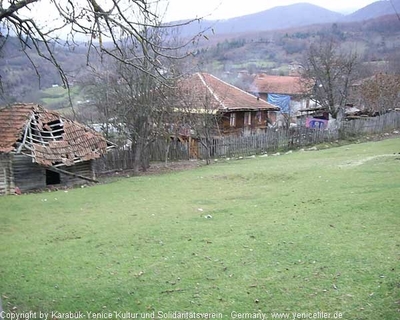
{"x": 198, "y": 111}
{"x": 380, "y": 93}
{"x": 103, "y": 23}
{"x": 393, "y": 63}
{"x": 332, "y": 71}
{"x": 98, "y": 88}
{"x": 135, "y": 100}
{"x": 203, "y": 121}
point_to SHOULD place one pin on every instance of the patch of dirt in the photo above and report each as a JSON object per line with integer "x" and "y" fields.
{"x": 362, "y": 161}
{"x": 157, "y": 168}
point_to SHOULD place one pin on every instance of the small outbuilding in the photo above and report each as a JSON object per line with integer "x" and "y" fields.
{"x": 40, "y": 148}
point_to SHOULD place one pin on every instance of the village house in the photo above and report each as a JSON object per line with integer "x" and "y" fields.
{"x": 40, "y": 149}
{"x": 238, "y": 112}
{"x": 288, "y": 92}
{"x": 215, "y": 108}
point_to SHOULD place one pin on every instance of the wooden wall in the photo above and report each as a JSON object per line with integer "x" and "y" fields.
{"x": 19, "y": 170}
{"x": 6, "y": 177}
{"x": 241, "y": 128}
{"x": 27, "y": 174}
{"x": 82, "y": 168}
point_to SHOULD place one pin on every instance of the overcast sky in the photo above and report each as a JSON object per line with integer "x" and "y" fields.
{"x": 172, "y": 10}
{"x": 223, "y": 9}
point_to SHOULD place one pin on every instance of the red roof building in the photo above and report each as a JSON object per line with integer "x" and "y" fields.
{"x": 239, "y": 111}
{"x": 39, "y": 148}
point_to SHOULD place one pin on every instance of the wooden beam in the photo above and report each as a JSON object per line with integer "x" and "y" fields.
{"x": 28, "y": 123}
{"x": 72, "y": 174}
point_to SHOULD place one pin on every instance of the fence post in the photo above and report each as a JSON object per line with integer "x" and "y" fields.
{"x": 1, "y": 310}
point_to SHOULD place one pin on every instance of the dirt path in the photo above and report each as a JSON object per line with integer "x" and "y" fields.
{"x": 362, "y": 161}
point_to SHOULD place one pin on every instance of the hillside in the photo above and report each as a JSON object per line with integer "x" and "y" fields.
{"x": 374, "y": 10}
{"x": 281, "y": 17}
{"x": 290, "y": 16}
{"x": 262, "y": 48}
{"x": 280, "y": 52}
{"x": 20, "y": 80}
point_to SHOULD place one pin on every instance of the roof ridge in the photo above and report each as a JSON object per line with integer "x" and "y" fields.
{"x": 201, "y": 76}
{"x": 241, "y": 90}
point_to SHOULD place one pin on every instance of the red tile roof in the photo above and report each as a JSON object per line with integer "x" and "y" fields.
{"x": 12, "y": 123}
{"x": 48, "y": 137}
{"x": 204, "y": 90}
{"x": 289, "y": 85}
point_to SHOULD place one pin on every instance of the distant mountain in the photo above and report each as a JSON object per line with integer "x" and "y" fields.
{"x": 374, "y": 10}
{"x": 283, "y": 17}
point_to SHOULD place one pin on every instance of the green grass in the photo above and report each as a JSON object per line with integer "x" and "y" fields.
{"x": 258, "y": 63}
{"x": 305, "y": 232}
{"x": 57, "y": 97}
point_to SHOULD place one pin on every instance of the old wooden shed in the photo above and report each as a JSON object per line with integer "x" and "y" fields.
{"x": 41, "y": 148}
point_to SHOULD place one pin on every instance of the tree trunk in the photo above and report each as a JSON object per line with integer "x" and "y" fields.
{"x": 207, "y": 146}
{"x": 136, "y": 159}
{"x": 145, "y": 161}
{"x": 167, "y": 152}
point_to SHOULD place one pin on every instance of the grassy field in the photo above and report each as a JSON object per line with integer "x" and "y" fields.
{"x": 57, "y": 98}
{"x": 298, "y": 233}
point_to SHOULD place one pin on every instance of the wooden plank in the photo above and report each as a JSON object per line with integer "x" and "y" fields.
{"x": 72, "y": 174}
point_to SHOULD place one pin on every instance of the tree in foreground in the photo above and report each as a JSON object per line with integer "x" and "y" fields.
{"x": 134, "y": 101}
{"x": 102, "y": 23}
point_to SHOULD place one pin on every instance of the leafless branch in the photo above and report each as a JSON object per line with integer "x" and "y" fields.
{"x": 100, "y": 22}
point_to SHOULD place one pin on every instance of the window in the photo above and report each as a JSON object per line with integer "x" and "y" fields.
{"x": 247, "y": 118}
{"x": 52, "y": 177}
{"x": 232, "y": 119}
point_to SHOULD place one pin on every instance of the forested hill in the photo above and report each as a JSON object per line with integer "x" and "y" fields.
{"x": 225, "y": 55}
{"x": 290, "y": 16}
{"x": 374, "y": 10}
{"x": 281, "y": 17}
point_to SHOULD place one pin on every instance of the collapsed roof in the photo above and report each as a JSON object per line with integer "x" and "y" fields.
{"x": 49, "y": 138}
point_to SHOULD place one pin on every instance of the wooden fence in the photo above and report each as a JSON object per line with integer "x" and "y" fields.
{"x": 272, "y": 141}
{"x": 123, "y": 159}
{"x": 293, "y": 138}
{"x": 365, "y": 126}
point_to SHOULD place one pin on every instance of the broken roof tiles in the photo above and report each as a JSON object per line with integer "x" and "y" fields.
{"x": 48, "y": 137}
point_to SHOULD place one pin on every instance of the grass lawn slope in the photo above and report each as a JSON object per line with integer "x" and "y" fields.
{"x": 304, "y": 232}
